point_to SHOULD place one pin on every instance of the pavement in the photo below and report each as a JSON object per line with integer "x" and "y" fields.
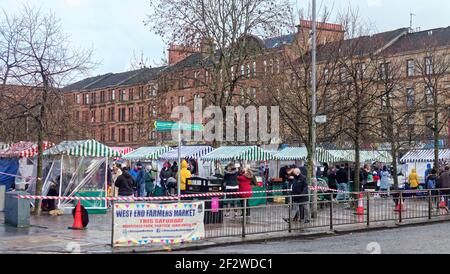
{"x": 424, "y": 239}
{"x": 50, "y": 234}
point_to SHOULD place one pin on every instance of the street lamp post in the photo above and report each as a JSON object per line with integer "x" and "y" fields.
{"x": 313, "y": 101}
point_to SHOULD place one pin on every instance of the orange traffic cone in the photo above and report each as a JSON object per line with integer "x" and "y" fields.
{"x": 360, "y": 208}
{"x": 442, "y": 203}
{"x": 400, "y": 206}
{"x": 77, "y": 223}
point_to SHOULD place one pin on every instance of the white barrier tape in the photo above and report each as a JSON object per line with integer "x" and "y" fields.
{"x": 18, "y": 176}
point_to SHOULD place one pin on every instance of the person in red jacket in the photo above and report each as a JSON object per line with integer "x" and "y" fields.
{"x": 244, "y": 182}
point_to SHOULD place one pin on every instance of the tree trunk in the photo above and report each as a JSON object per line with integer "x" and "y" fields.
{"x": 436, "y": 141}
{"x": 394, "y": 165}
{"x": 40, "y": 157}
{"x": 356, "y": 182}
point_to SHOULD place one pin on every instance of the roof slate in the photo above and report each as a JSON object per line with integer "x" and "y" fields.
{"x": 421, "y": 40}
{"x": 115, "y": 79}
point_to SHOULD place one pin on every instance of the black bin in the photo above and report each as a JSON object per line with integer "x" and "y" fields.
{"x": 199, "y": 185}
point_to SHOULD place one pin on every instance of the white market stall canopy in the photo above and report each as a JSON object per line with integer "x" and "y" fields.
{"x": 23, "y": 149}
{"x": 146, "y": 153}
{"x": 84, "y": 148}
{"x": 238, "y": 153}
{"x": 382, "y": 156}
{"x": 424, "y": 155}
{"x": 186, "y": 152}
{"x": 301, "y": 153}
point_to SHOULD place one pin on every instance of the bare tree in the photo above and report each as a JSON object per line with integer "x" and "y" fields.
{"x": 434, "y": 69}
{"x": 357, "y": 89}
{"x": 397, "y": 108}
{"x": 47, "y": 63}
{"x": 291, "y": 90}
{"x": 224, "y": 28}
{"x": 139, "y": 61}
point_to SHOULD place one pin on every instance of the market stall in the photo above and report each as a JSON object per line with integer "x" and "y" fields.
{"x": 187, "y": 153}
{"x": 149, "y": 156}
{"x": 146, "y": 153}
{"x": 79, "y": 168}
{"x": 292, "y": 155}
{"x": 243, "y": 154}
{"x": 365, "y": 156}
{"x": 419, "y": 159}
{"x": 18, "y": 164}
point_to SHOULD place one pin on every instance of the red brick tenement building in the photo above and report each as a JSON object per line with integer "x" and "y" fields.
{"x": 118, "y": 108}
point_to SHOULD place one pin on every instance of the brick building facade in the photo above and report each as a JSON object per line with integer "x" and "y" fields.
{"x": 120, "y": 108}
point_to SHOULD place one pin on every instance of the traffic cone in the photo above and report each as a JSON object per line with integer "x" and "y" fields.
{"x": 400, "y": 206}
{"x": 360, "y": 208}
{"x": 442, "y": 203}
{"x": 77, "y": 222}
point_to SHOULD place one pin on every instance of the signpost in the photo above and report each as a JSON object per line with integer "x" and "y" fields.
{"x": 164, "y": 126}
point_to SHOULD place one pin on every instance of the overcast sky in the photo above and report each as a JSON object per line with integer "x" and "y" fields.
{"x": 114, "y": 28}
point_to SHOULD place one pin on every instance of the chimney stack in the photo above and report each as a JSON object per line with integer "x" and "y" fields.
{"x": 326, "y": 32}
{"x": 180, "y": 52}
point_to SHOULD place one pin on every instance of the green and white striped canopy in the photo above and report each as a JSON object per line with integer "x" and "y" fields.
{"x": 146, "y": 153}
{"x": 364, "y": 155}
{"x": 238, "y": 153}
{"x": 84, "y": 148}
{"x": 301, "y": 153}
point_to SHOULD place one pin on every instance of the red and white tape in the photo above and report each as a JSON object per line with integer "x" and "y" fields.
{"x": 209, "y": 194}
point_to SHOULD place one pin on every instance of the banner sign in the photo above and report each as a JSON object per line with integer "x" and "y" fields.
{"x": 137, "y": 223}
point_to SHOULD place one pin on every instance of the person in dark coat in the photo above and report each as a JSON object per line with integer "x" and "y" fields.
{"x": 231, "y": 185}
{"x": 164, "y": 175}
{"x": 341, "y": 179}
{"x": 444, "y": 184}
{"x": 49, "y": 204}
{"x": 174, "y": 168}
{"x": 332, "y": 180}
{"x": 125, "y": 184}
{"x": 431, "y": 180}
{"x": 300, "y": 196}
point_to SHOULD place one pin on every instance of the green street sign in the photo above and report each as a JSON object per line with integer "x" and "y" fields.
{"x": 169, "y": 126}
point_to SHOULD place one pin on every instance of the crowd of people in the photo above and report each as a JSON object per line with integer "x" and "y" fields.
{"x": 140, "y": 181}
{"x": 238, "y": 179}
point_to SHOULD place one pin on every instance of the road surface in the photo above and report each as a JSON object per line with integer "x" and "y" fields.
{"x": 433, "y": 238}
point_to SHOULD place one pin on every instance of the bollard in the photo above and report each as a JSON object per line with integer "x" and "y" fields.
{"x": 17, "y": 211}
{"x": 2, "y": 197}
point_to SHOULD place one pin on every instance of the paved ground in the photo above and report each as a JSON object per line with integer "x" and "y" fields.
{"x": 50, "y": 234}
{"x": 431, "y": 238}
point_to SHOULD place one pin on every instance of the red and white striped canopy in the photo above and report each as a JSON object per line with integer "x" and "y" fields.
{"x": 23, "y": 149}
{"x": 123, "y": 150}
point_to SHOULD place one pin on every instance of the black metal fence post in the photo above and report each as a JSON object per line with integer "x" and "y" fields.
{"x": 244, "y": 218}
{"x": 400, "y": 207}
{"x": 289, "y": 214}
{"x": 331, "y": 211}
{"x": 429, "y": 204}
{"x": 368, "y": 208}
